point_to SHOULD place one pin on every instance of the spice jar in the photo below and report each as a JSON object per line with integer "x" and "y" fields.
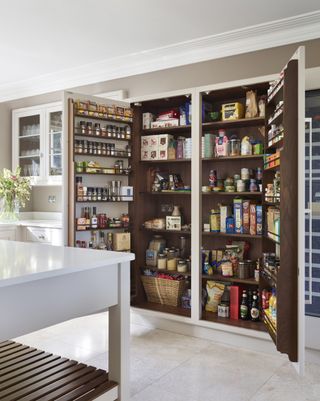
{"x": 241, "y": 186}
{"x": 182, "y": 266}
{"x": 103, "y": 131}
{"x": 109, "y": 131}
{"x": 162, "y": 261}
{"x": 171, "y": 260}
{"x": 89, "y": 128}
{"x": 97, "y": 130}
{"x": 128, "y": 132}
{"x": 83, "y": 129}
{"x": 235, "y": 147}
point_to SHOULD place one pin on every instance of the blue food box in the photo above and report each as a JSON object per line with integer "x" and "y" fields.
{"x": 259, "y": 219}
{"x": 238, "y": 215}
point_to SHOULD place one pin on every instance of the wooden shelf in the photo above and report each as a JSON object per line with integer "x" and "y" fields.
{"x": 219, "y": 277}
{"x": 276, "y": 120}
{"x": 164, "y": 231}
{"x": 188, "y": 274}
{"x": 172, "y": 193}
{"x": 104, "y": 201}
{"x": 164, "y": 130}
{"x": 213, "y": 193}
{"x": 89, "y": 155}
{"x": 275, "y": 146}
{"x": 229, "y": 158}
{"x": 243, "y": 122}
{"x": 213, "y": 234}
{"x": 108, "y": 119}
{"x": 175, "y": 310}
{"x": 167, "y": 161}
{"x": 101, "y": 137}
{"x": 102, "y": 229}
{"x": 273, "y": 168}
{"x": 122, "y": 174}
{"x": 245, "y": 324}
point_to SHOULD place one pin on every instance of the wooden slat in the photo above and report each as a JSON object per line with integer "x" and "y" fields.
{"x": 8, "y": 359}
{"x": 19, "y": 383}
{"x": 86, "y": 388}
{"x": 5, "y": 343}
{"x": 35, "y": 374}
{"x": 23, "y": 362}
{"x": 103, "y": 388}
{"x": 65, "y": 389}
{"x": 12, "y": 351}
{"x": 8, "y": 347}
{"x": 44, "y": 387}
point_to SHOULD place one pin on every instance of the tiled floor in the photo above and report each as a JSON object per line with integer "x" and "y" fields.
{"x": 172, "y": 367}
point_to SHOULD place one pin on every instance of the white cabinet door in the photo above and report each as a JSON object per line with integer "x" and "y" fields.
{"x": 52, "y": 236}
{"x": 36, "y": 143}
{"x": 8, "y": 233}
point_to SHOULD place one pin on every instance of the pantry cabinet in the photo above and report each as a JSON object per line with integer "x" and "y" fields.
{"x": 37, "y": 143}
{"x": 177, "y": 198}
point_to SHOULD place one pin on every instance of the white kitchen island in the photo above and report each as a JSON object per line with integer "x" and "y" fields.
{"x": 42, "y": 285}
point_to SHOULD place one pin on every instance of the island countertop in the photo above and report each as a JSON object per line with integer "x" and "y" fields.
{"x": 23, "y": 262}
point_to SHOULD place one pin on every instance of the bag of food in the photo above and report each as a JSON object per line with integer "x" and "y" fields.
{"x": 251, "y": 104}
{"x": 214, "y": 291}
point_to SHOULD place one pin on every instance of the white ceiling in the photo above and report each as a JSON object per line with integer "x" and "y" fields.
{"x": 40, "y": 37}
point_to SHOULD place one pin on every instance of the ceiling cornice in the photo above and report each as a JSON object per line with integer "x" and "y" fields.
{"x": 276, "y": 33}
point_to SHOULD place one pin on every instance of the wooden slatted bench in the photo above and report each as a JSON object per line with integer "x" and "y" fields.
{"x": 29, "y": 374}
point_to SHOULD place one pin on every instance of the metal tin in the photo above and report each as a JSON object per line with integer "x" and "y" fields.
{"x": 223, "y": 310}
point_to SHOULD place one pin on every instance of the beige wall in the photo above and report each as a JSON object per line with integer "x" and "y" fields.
{"x": 243, "y": 66}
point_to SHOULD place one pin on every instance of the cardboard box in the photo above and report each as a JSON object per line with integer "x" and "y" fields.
{"x": 126, "y": 193}
{"x": 147, "y": 119}
{"x": 235, "y": 302}
{"x": 121, "y": 241}
{"x": 238, "y": 212}
{"x": 172, "y": 122}
{"x": 151, "y": 257}
{"x": 259, "y": 219}
{"x": 246, "y": 216}
{"x": 149, "y": 147}
{"x": 225, "y": 211}
{"x": 163, "y": 146}
{"x": 173, "y": 223}
{"x": 253, "y": 219}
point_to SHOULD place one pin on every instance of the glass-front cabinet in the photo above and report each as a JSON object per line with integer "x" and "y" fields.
{"x": 37, "y": 143}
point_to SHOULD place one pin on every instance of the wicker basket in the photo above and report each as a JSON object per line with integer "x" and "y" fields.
{"x": 163, "y": 291}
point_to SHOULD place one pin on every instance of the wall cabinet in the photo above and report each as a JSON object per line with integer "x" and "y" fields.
{"x": 37, "y": 143}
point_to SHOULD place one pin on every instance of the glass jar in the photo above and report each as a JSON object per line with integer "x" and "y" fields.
{"x": 128, "y": 150}
{"x": 128, "y": 132}
{"x": 94, "y": 196}
{"x": 99, "y": 194}
{"x": 85, "y": 147}
{"x": 162, "y": 261}
{"x": 109, "y": 131}
{"x": 103, "y": 131}
{"x": 79, "y": 167}
{"x": 104, "y": 194}
{"x": 99, "y": 150}
{"x": 114, "y": 131}
{"x": 245, "y": 174}
{"x": 97, "y": 129}
{"x": 83, "y": 128}
{"x": 94, "y": 148}
{"x": 235, "y": 147}
{"x": 89, "y": 128}
{"x": 172, "y": 260}
{"x": 89, "y": 194}
{"x": 241, "y": 186}
{"x": 253, "y": 185}
{"x": 182, "y": 266}
{"x": 90, "y": 148}
{"x": 104, "y": 149}
{"x": 112, "y": 149}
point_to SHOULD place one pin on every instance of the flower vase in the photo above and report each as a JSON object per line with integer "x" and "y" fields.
{"x": 9, "y": 210}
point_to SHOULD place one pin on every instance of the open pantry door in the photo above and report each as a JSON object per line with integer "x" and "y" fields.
{"x": 285, "y": 213}
{"x": 97, "y": 151}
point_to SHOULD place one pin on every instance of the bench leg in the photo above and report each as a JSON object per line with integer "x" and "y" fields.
{"x": 119, "y": 334}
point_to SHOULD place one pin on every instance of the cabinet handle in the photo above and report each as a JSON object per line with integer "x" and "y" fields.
{"x": 308, "y": 212}
{"x": 41, "y": 236}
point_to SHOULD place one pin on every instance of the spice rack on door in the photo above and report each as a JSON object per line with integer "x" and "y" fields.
{"x": 94, "y": 138}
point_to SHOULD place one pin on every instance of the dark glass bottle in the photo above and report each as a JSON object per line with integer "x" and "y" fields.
{"x": 254, "y": 311}
{"x": 244, "y": 306}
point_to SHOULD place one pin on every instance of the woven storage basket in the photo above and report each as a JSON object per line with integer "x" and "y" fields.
{"x": 163, "y": 291}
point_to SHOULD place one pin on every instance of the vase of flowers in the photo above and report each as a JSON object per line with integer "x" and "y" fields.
{"x": 14, "y": 192}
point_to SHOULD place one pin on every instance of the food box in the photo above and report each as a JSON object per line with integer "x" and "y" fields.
{"x": 232, "y": 111}
{"x": 121, "y": 241}
{"x": 234, "y": 302}
{"x": 238, "y": 212}
{"x": 246, "y": 216}
{"x": 147, "y": 119}
{"x": 259, "y": 218}
{"x": 163, "y": 146}
{"x": 149, "y": 147}
{"x": 151, "y": 257}
{"x": 172, "y": 122}
{"x": 126, "y": 193}
{"x": 173, "y": 223}
{"x": 253, "y": 219}
{"x": 225, "y": 211}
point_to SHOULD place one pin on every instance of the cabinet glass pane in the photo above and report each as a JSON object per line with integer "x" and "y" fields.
{"x": 312, "y": 195}
{"x": 29, "y": 145}
{"x": 55, "y": 148}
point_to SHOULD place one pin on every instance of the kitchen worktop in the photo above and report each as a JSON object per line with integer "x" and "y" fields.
{"x": 43, "y": 220}
{"x": 23, "y": 262}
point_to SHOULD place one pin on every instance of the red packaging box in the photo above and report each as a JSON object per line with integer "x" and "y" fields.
{"x": 246, "y": 216}
{"x": 235, "y": 293}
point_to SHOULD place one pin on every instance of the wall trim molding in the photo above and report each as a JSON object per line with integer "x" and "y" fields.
{"x": 253, "y": 38}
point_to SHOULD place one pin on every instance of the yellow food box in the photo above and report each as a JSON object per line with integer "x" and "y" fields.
{"x": 232, "y": 111}
{"x": 121, "y": 241}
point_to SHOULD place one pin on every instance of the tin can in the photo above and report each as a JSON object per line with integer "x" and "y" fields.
{"x": 223, "y": 310}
